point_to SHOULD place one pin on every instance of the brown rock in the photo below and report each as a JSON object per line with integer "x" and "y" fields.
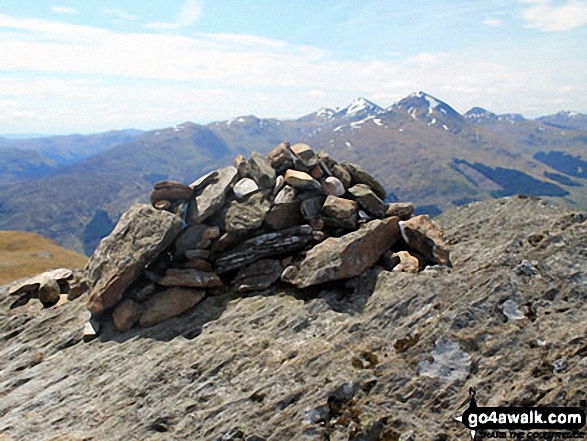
{"x": 403, "y": 210}
{"x": 258, "y": 276}
{"x": 281, "y": 157}
{"x": 190, "y": 277}
{"x": 301, "y": 180}
{"x": 340, "y": 213}
{"x": 241, "y": 165}
{"x": 126, "y": 314}
{"x": 142, "y": 293}
{"x": 360, "y": 176}
{"x": 368, "y": 200}
{"x": 341, "y": 174}
{"x": 170, "y": 191}
{"x": 428, "y": 227}
{"x": 141, "y": 234}
{"x": 407, "y": 263}
{"x": 311, "y": 206}
{"x": 168, "y": 304}
{"x": 346, "y": 256}
{"x": 316, "y": 172}
{"x": 197, "y": 264}
{"x": 389, "y": 260}
{"x": 284, "y": 215}
{"x": 260, "y": 170}
{"x": 304, "y": 156}
{"x": 197, "y": 254}
{"x": 49, "y": 293}
{"x": 423, "y": 245}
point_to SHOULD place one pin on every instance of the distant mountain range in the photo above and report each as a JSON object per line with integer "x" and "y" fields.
{"x": 73, "y": 189}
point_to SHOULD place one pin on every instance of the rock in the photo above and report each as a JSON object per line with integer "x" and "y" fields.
{"x": 189, "y": 239}
{"x": 209, "y": 235}
{"x": 141, "y": 234}
{"x": 389, "y": 260}
{"x": 407, "y": 262}
{"x": 168, "y": 304}
{"x": 281, "y": 157}
{"x": 284, "y": 215}
{"x": 190, "y": 277}
{"x": 279, "y": 183}
{"x": 202, "y": 182}
{"x": 310, "y": 207}
{"x": 430, "y": 251}
{"x": 142, "y": 293}
{"x": 197, "y": 264}
{"x": 244, "y": 188}
{"x": 243, "y": 217}
{"x": 258, "y": 276}
{"x": 212, "y": 197}
{"x": 45, "y": 286}
{"x": 170, "y": 191}
{"x": 285, "y": 196}
{"x": 301, "y": 180}
{"x": 78, "y": 286}
{"x": 360, "y": 176}
{"x": 333, "y": 186}
{"x": 241, "y": 165}
{"x": 428, "y": 227}
{"x": 261, "y": 171}
{"x": 305, "y": 156}
{"x": 90, "y": 332}
{"x": 340, "y": 213}
{"x": 316, "y": 172}
{"x": 341, "y": 174}
{"x": 403, "y": 210}
{"x": 197, "y": 254}
{"x": 275, "y": 244}
{"x": 368, "y": 200}
{"x": 126, "y": 314}
{"x": 346, "y": 256}
{"x": 49, "y": 293}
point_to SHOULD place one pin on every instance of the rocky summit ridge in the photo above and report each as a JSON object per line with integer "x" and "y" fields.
{"x": 380, "y": 354}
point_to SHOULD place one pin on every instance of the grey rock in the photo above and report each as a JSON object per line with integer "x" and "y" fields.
{"x": 243, "y": 217}
{"x": 340, "y": 212}
{"x": 403, "y": 210}
{"x": 360, "y": 176}
{"x": 285, "y": 196}
{"x": 301, "y": 180}
{"x": 368, "y": 200}
{"x": 258, "y": 276}
{"x": 141, "y": 234}
{"x": 260, "y": 170}
{"x": 190, "y": 277}
{"x": 310, "y": 207}
{"x": 45, "y": 286}
{"x": 189, "y": 239}
{"x": 281, "y": 157}
{"x": 213, "y": 195}
{"x": 273, "y": 244}
{"x": 346, "y": 256}
{"x": 449, "y": 362}
{"x": 334, "y": 186}
{"x": 244, "y": 188}
{"x": 170, "y": 303}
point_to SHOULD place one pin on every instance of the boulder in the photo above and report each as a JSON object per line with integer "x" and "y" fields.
{"x": 311, "y": 206}
{"x": 360, "y": 176}
{"x": 190, "y": 277}
{"x": 126, "y": 314}
{"x": 49, "y": 293}
{"x": 45, "y": 286}
{"x": 427, "y": 227}
{"x": 274, "y": 244}
{"x": 244, "y": 188}
{"x": 339, "y": 172}
{"x": 425, "y": 246}
{"x": 346, "y": 256}
{"x": 141, "y": 234}
{"x": 281, "y": 157}
{"x": 260, "y": 170}
{"x": 333, "y": 186}
{"x": 368, "y": 200}
{"x": 301, "y": 180}
{"x": 258, "y": 276}
{"x": 305, "y": 157}
{"x": 243, "y": 217}
{"x": 340, "y": 213}
{"x": 403, "y": 210}
{"x": 168, "y": 304}
{"x": 213, "y": 196}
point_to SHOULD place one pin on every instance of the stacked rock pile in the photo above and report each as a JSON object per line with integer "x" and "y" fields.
{"x": 293, "y": 216}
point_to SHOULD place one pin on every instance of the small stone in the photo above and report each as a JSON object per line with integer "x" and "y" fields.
{"x": 126, "y": 314}
{"x": 281, "y": 157}
{"x": 90, "y": 332}
{"x": 407, "y": 264}
{"x": 333, "y": 186}
{"x": 260, "y": 170}
{"x": 258, "y": 276}
{"x": 340, "y": 213}
{"x": 316, "y": 172}
{"x": 310, "y": 208}
{"x": 168, "y": 304}
{"x": 368, "y": 200}
{"x": 244, "y": 188}
{"x": 304, "y": 155}
{"x": 208, "y": 236}
{"x": 317, "y": 224}
{"x": 190, "y": 277}
{"x": 403, "y": 210}
{"x": 279, "y": 183}
{"x": 241, "y": 165}
{"x": 301, "y": 180}
{"x": 49, "y": 293}
{"x": 360, "y": 176}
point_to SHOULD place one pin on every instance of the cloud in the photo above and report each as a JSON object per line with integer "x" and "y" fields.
{"x": 542, "y": 15}
{"x": 188, "y": 15}
{"x": 493, "y": 22}
{"x": 120, "y": 14}
{"x": 63, "y": 10}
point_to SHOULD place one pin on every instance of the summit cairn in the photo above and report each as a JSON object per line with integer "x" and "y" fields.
{"x": 293, "y": 216}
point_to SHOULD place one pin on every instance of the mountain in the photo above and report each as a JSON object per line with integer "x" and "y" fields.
{"x": 27, "y": 254}
{"x": 385, "y": 356}
{"x": 420, "y": 148}
{"x": 565, "y": 120}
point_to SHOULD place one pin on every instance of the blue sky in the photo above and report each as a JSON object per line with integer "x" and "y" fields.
{"x": 93, "y": 65}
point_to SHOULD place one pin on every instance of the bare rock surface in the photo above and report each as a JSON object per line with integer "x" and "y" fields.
{"x": 141, "y": 234}
{"x": 387, "y": 355}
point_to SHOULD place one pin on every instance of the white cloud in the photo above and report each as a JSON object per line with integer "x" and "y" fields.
{"x": 120, "y": 14}
{"x": 493, "y": 22}
{"x": 542, "y": 15}
{"x": 63, "y": 10}
{"x": 188, "y": 15}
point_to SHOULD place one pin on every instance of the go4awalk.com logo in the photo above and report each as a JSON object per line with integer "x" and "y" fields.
{"x": 522, "y": 422}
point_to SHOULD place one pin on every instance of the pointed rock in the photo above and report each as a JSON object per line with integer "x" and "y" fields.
{"x": 260, "y": 170}
{"x": 346, "y": 256}
{"x": 141, "y": 234}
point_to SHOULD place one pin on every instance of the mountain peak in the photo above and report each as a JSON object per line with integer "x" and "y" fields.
{"x": 360, "y": 106}
{"x": 477, "y": 114}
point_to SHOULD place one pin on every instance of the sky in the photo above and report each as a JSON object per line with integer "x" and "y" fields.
{"x": 85, "y": 66}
